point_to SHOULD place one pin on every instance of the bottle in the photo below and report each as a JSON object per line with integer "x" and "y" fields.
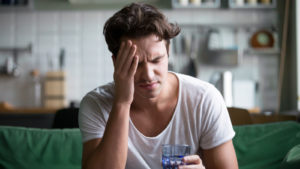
{"x": 184, "y": 2}
{"x": 36, "y": 88}
{"x": 239, "y": 2}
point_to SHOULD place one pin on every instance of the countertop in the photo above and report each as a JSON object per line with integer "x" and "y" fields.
{"x": 6, "y": 108}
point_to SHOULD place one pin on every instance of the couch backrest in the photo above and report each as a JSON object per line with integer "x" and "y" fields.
{"x": 264, "y": 146}
{"x": 33, "y": 148}
{"x": 260, "y": 146}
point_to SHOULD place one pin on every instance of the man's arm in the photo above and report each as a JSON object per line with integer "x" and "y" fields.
{"x": 220, "y": 157}
{"x": 110, "y": 152}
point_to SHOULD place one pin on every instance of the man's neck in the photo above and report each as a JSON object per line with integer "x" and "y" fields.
{"x": 158, "y": 103}
{"x": 145, "y": 112}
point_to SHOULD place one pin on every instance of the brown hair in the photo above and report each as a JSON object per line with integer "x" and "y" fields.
{"x": 137, "y": 20}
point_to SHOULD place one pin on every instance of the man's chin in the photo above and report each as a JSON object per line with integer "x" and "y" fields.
{"x": 148, "y": 95}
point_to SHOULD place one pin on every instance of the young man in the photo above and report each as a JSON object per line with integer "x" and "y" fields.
{"x": 125, "y": 123}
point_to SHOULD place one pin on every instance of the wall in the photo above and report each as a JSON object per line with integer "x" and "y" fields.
{"x": 88, "y": 62}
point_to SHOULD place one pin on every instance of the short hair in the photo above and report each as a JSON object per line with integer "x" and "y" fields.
{"x": 137, "y": 20}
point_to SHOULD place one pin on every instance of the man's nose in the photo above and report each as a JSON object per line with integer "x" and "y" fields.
{"x": 147, "y": 72}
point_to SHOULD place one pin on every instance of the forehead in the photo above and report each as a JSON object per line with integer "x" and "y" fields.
{"x": 149, "y": 45}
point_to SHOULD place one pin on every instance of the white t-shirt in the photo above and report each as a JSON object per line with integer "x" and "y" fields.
{"x": 200, "y": 120}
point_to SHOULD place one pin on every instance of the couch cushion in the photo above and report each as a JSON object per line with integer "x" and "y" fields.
{"x": 292, "y": 159}
{"x": 264, "y": 146}
{"x": 33, "y": 148}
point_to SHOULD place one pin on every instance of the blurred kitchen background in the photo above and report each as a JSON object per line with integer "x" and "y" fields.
{"x": 52, "y": 52}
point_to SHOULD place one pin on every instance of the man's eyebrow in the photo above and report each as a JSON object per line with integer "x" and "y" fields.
{"x": 156, "y": 57}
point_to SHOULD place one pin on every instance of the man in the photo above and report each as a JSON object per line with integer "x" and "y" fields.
{"x": 125, "y": 123}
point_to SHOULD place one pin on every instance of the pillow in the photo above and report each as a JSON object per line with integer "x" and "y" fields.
{"x": 292, "y": 159}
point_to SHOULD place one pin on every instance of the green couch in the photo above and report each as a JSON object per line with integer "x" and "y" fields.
{"x": 259, "y": 146}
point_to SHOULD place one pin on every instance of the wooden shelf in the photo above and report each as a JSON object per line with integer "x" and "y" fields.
{"x": 202, "y": 5}
{"x": 265, "y": 51}
{"x": 6, "y": 108}
{"x": 258, "y": 5}
{"x": 16, "y": 49}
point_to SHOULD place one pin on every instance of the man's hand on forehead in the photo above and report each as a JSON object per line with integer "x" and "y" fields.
{"x": 125, "y": 67}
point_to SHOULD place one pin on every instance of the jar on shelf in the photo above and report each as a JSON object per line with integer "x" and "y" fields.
{"x": 266, "y": 2}
{"x": 252, "y": 2}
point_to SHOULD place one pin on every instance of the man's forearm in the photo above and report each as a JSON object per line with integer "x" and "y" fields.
{"x": 112, "y": 150}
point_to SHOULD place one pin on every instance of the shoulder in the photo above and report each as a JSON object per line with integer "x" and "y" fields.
{"x": 97, "y": 103}
{"x": 100, "y": 95}
{"x": 194, "y": 85}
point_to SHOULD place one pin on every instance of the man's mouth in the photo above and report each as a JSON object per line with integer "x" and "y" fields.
{"x": 148, "y": 86}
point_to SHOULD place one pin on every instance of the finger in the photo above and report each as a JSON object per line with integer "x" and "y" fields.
{"x": 192, "y": 159}
{"x": 134, "y": 66}
{"x": 117, "y": 58}
{"x": 191, "y": 167}
{"x": 128, "y": 63}
{"x": 124, "y": 55}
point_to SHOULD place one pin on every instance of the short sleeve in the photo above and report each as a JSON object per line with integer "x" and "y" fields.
{"x": 92, "y": 118}
{"x": 216, "y": 124}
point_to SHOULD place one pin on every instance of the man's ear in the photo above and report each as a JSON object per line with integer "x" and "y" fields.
{"x": 114, "y": 60}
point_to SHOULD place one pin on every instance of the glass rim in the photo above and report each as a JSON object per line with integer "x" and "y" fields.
{"x": 176, "y": 145}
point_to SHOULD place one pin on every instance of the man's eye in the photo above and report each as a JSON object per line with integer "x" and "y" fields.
{"x": 156, "y": 60}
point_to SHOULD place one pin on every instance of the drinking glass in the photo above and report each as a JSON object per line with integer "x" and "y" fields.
{"x": 172, "y": 155}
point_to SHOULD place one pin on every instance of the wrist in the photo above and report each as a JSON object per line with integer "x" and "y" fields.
{"x": 121, "y": 106}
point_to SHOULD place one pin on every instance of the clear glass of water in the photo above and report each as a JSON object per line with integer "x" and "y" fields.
{"x": 172, "y": 155}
